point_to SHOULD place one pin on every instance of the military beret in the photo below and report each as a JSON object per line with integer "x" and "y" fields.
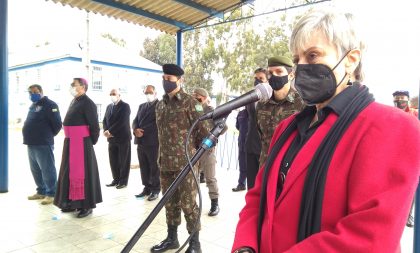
{"x": 280, "y": 61}
{"x": 401, "y": 93}
{"x": 172, "y": 69}
{"x": 201, "y": 92}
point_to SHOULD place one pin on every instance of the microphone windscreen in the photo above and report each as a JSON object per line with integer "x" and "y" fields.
{"x": 265, "y": 91}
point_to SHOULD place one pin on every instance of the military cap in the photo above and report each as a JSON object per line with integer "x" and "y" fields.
{"x": 172, "y": 69}
{"x": 280, "y": 61}
{"x": 201, "y": 92}
{"x": 401, "y": 93}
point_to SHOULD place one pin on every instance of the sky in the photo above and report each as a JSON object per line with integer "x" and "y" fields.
{"x": 392, "y": 30}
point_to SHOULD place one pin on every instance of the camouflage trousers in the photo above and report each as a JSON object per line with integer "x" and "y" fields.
{"x": 184, "y": 198}
{"x": 207, "y": 165}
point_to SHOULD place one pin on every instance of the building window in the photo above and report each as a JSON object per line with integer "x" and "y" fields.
{"x": 99, "y": 110}
{"x": 97, "y": 78}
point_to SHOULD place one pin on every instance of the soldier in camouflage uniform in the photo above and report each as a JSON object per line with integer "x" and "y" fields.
{"x": 175, "y": 114}
{"x": 207, "y": 162}
{"x": 284, "y": 102}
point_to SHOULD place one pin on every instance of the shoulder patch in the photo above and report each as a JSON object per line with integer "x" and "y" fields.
{"x": 198, "y": 108}
{"x": 54, "y": 110}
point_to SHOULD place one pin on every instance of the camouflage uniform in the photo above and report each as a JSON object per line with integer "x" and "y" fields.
{"x": 270, "y": 114}
{"x": 174, "y": 116}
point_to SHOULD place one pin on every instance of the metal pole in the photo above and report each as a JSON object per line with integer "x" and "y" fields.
{"x": 179, "y": 48}
{"x": 87, "y": 51}
{"x": 416, "y": 243}
{"x": 4, "y": 118}
{"x": 207, "y": 143}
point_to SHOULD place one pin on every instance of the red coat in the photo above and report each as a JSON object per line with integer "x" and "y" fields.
{"x": 370, "y": 185}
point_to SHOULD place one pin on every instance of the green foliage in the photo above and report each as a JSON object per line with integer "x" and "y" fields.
{"x": 231, "y": 51}
{"x": 118, "y": 41}
{"x": 200, "y": 58}
{"x": 160, "y": 50}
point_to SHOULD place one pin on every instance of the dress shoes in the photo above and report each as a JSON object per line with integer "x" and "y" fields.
{"x": 143, "y": 194}
{"x": 68, "y": 210}
{"x": 167, "y": 244}
{"x": 238, "y": 188}
{"x": 112, "y": 184}
{"x": 153, "y": 196}
{"x": 120, "y": 186}
{"x": 84, "y": 212}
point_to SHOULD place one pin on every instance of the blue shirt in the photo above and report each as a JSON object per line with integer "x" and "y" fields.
{"x": 42, "y": 123}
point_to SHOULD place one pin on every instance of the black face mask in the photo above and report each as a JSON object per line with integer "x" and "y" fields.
{"x": 316, "y": 83}
{"x": 169, "y": 86}
{"x": 278, "y": 82}
{"x": 257, "y": 81}
{"x": 402, "y": 104}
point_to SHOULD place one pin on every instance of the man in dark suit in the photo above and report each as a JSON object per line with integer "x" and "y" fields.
{"x": 116, "y": 125}
{"x": 146, "y": 138}
{"x": 253, "y": 141}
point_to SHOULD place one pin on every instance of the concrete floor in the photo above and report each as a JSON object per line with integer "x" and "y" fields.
{"x": 28, "y": 226}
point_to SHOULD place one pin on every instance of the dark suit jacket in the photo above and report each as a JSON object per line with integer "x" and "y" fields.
{"x": 146, "y": 120}
{"x": 118, "y": 122}
{"x": 253, "y": 141}
{"x": 242, "y": 126}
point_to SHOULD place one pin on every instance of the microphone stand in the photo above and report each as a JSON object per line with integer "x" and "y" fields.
{"x": 207, "y": 143}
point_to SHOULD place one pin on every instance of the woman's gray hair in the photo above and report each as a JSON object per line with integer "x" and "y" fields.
{"x": 340, "y": 29}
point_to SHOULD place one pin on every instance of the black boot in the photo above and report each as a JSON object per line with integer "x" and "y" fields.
{"x": 195, "y": 246}
{"x": 214, "y": 210}
{"x": 171, "y": 242}
{"x": 202, "y": 178}
{"x": 410, "y": 221}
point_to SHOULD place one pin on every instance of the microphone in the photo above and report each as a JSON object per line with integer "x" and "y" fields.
{"x": 262, "y": 92}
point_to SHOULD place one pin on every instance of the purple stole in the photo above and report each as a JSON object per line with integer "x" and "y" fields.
{"x": 76, "y": 160}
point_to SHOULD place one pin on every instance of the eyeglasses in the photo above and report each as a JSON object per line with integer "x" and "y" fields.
{"x": 112, "y": 94}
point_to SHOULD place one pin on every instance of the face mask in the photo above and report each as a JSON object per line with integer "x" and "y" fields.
{"x": 35, "y": 97}
{"x": 257, "y": 81}
{"x": 73, "y": 91}
{"x": 169, "y": 86}
{"x": 316, "y": 83}
{"x": 150, "y": 97}
{"x": 278, "y": 82}
{"x": 402, "y": 104}
{"x": 114, "y": 99}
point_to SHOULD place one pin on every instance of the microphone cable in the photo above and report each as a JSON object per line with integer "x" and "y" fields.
{"x": 197, "y": 183}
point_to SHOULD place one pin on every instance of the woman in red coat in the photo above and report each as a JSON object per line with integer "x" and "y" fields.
{"x": 339, "y": 176}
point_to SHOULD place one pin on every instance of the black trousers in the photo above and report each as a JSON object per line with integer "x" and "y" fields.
{"x": 242, "y": 168}
{"x": 252, "y": 166}
{"x": 149, "y": 169}
{"x": 120, "y": 159}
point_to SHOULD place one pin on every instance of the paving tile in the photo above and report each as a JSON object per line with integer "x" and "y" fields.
{"x": 28, "y": 226}
{"x": 56, "y": 245}
{"x": 98, "y": 245}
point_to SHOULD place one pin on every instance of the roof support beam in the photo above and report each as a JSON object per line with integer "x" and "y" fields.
{"x": 179, "y": 48}
{"x": 134, "y": 10}
{"x": 202, "y": 8}
{"x": 4, "y": 118}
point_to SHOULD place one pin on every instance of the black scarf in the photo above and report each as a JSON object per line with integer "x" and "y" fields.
{"x": 313, "y": 191}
